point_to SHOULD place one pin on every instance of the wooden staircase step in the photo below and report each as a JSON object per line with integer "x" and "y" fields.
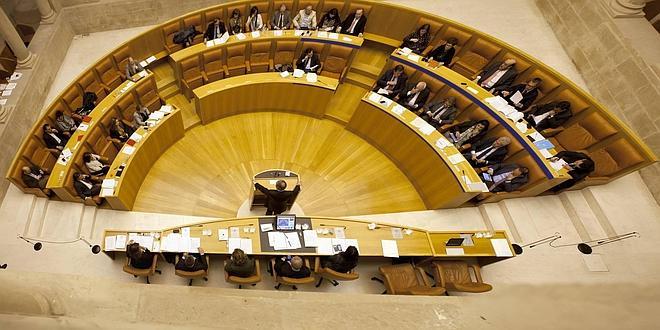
{"x": 360, "y": 80}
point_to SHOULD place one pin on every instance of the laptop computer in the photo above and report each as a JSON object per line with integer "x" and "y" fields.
{"x": 285, "y": 222}
{"x": 455, "y": 242}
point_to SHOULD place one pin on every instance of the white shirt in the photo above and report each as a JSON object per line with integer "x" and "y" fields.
{"x": 55, "y": 137}
{"x": 352, "y": 27}
{"x": 94, "y": 165}
{"x": 494, "y": 78}
{"x": 414, "y": 99}
{"x": 485, "y": 153}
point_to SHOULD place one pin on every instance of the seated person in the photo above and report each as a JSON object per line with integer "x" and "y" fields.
{"x": 240, "y": 264}
{"x": 96, "y": 164}
{"x": 87, "y": 186}
{"x": 277, "y": 199}
{"x": 292, "y": 267}
{"x": 281, "y": 19}
{"x": 132, "y": 68}
{"x": 462, "y": 135}
{"x": 550, "y": 115}
{"x": 354, "y": 23}
{"x": 35, "y": 177}
{"x": 440, "y": 113}
{"x": 214, "y": 30}
{"x": 444, "y": 53}
{"x": 119, "y": 131}
{"x": 186, "y": 36}
{"x": 236, "y": 22}
{"x": 488, "y": 151}
{"x": 89, "y": 103}
{"x": 254, "y": 21}
{"x": 414, "y": 96}
{"x": 53, "y": 138}
{"x": 392, "y": 82}
{"x": 504, "y": 177}
{"x": 521, "y": 96}
{"x": 140, "y": 256}
{"x": 342, "y": 262}
{"x": 140, "y": 116}
{"x": 498, "y": 75}
{"x": 192, "y": 262}
{"x": 64, "y": 122}
{"x": 308, "y": 61}
{"x": 418, "y": 40}
{"x": 306, "y": 19}
{"x": 330, "y": 21}
{"x": 578, "y": 165}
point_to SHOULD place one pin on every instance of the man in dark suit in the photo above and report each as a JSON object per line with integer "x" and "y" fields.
{"x": 87, "y": 186}
{"x": 578, "y": 164}
{"x": 35, "y": 177}
{"x": 293, "y": 268}
{"x": 550, "y": 115}
{"x": 192, "y": 262}
{"x": 281, "y": 19}
{"x": 140, "y": 257}
{"x": 215, "y": 30}
{"x": 488, "y": 151}
{"x": 354, "y": 23}
{"x": 392, "y": 82}
{"x": 414, "y": 96}
{"x": 308, "y": 61}
{"x": 521, "y": 96}
{"x": 504, "y": 177}
{"x": 53, "y": 138}
{"x": 440, "y": 113}
{"x": 277, "y": 199}
{"x": 498, "y": 75}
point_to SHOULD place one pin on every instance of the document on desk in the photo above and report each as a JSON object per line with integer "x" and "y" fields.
{"x": 266, "y": 227}
{"x": 390, "y": 248}
{"x": 223, "y": 234}
{"x": 209, "y": 43}
{"x": 456, "y": 159}
{"x": 108, "y": 183}
{"x": 340, "y": 232}
{"x": 397, "y": 233}
{"x": 244, "y": 244}
{"x": 443, "y": 143}
{"x": 374, "y": 97}
{"x": 195, "y": 244}
{"x": 128, "y": 150}
{"x": 256, "y": 34}
{"x": 545, "y": 153}
{"x": 297, "y": 73}
{"x": 332, "y": 35}
{"x": 558, "y": 165}
{"x": 501, "y": 247}
{"x": 325, "y": 246}
{"x": 312, "y": 77}
{"x": 310, "y": 237}
{"x": 185, "y": 232}
{"x": 398, "y": 110}
{"x": 343, "y": 244}
{"x": 292, "y": 240}
{"x": 536, "y": 136}
{"x": 110, "y": 242}
{"x": 278, "y": 33}
{"x": 427, "y": 129}
{"x": 322, "y": 34}
{"x": 454, "y": 251}
{"x": 234, "y": 232}
{"x": 120, "y": 242}
{"x": 277, "y": 240}
{"x": 240, "y": 36}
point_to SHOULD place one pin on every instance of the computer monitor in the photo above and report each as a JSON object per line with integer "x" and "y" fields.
{"x": 285, "y": 222}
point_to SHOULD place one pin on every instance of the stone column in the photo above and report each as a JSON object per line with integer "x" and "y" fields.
{"x": 626, "y": 8}
{"x": 25, "y": 57}
{"x": 48, "y": 15}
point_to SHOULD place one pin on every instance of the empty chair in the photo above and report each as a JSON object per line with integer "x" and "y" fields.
{"x": 202, "y": 273}
{"x": 142, "y": 272}
{"x": 613, "y": 160}
{"x": 284, "y": 53}
{"x": 404, "y": 279}
{"x": 191, "y": 75}
{"x": 583, "y": 134}
{"x": 476, "y": 58}
{"x": 121, "y": 58}
{"x": 214, "y": 68}
{"x": 335, "y": 64}
{"x": 148, "y": 96}
{"x": 331, "y": 275}
{"x": 110, "y": 77}
{"x": 240, "y": 281}
{"x": 455, "y": 276}
{"x": 72, "y": 98}
{"x": 259, "y": 57}
{"x": 236, "y": 64}
{"x": 38, "y": 155}
{"x": 88, "y": 83}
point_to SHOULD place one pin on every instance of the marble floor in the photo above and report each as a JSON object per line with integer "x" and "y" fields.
{"x": 619, "y": 207}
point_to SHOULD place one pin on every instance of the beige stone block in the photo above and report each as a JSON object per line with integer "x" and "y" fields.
{"x": 649, "y": 96}
{"x": 651, "y": 176}
{"x": 639, "y": 121}
{"x": 632, "y": 74}
{"x": 590, "y": 12}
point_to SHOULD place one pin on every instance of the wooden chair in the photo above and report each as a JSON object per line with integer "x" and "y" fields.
{"x": 476, "y": 58}
{"x": 148, "y": 96}
{"x": 284, "y": 53}
{"x": 121, "y": 59}
{"x": 72, "y": 98}
{"x": 335, "y": 64}
{"x": 195, "y": 20}
{"x": 288, "y": 280}
{"x": 192, "y": 275}
{"x": 142, "y": 272}
{"x": 455, "y": 276}
{"x": 404, "y": 279}
{"x": 214, "y": 68}
{"x": 240, "y": 281}
{"x": 191, "y": 75}
{"x": 236, "y": 63}
{"x": 110, "y": 77}
{"x": 168, "y": 34}
{"x": 259, "y": 57}
{"x": 331, "y": 275}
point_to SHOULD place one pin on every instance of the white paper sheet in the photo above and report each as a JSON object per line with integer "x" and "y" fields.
{"x": 418, "y": 122}
{"x": 151, "y": 59}
{"x": 120, "y": 242}
{"x": 107, "y": 192}
{"x": 6, "y": 92}
{"x": 298, "y": 33}
{"x": 278, "y": 33}
{"x": 340, "y": 232}
{"x": 3, "y": 101}
{"x": 477, "y": 186}
{"x": 240, "y": 36}
{"x": 347, "y": 39}
{"x": 293, "y": 240}
{"x": 266, "y": 227}
{"x": 108, "y": 183}
{"x": 284, "y": 74}
{"x": 110, "y": 242}
{"x": 277, "y": 240}
{"x": 427, "y": 129}
{"x": 311, "y": 239}
{"x": 324, "y": 246}
{"x": 390, "y": 248}
{"x": 414, "y": 57}
{"x": 456, "y": 158}
{"x": 256, "y": 34}
{"x": 185, "y": 232}
{"x": 374, "y": 97}
{"x": 558, "y": 165}
{"x": 545, "y": 153}
{"x": 233, "y": 244}
{"x": 455, "y": 251}
{"x": 128, "y": 149}
{"x": 443, "y": 143}
{"x": 297, "y": 73}
{"x": 501, "y": 247}
{"x": 398, "y": 110}
{"x": 209, "y": 43}
{"x": 143, "y": 64}
{"x": 223, "y": 234}
{"x": 83, "y": 127}
{"x": 397, "y": 233}
{"x": 234, "y": 232}
{"x": 322, "y": 34}
{"x": 406, "y": 51}
{"x": 10, "y": 86}
{"x": 522, "y": 127}
{"x": 516, "y": 97}
{"x": 312, "y": 77}
{"x": 536, "y": 136}
{"x": 332, "y": 35}
{"x": 136, "y": 137}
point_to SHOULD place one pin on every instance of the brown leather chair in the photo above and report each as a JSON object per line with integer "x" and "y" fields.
{"x": 404, "y": 279}
{"x": 455, "y": 276}
{"x": 476, "y": 58}
{"x": 252, "y": 280}
{"x": 288, "y": 280}
{"x": 168, "y": 34}
{"x": 214, "y": 68}
{"x": 331, "y": 275}
{"x": 196, "y": 20}
{"x": 259, "y": 57}
{"x": 192, "y": 275}
{"x": 142, "y": 272}
{"x": 335, "y": 64}
{"x": 236, "y": 63}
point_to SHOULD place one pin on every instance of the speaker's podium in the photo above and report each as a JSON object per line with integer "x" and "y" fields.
{"x": 268, "y": 178}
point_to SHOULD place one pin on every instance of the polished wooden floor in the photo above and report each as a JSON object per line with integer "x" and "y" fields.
{"x": 208, "y": 172}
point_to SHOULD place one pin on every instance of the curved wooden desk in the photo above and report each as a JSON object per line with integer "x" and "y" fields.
{"x": 263, "y": 92}
{"x": 440, "y": 182}
{"x": 419, "y": 243}
{"x": 60, "y": 178}
{"x": 138, "y": 161}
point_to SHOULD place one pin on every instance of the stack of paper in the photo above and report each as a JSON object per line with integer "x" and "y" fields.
{"x": 427, "y": 129}
{"x": 165, "y": 108}
{"x": 443, "y": 143}
{"x": 244, "y": 244}
{"x": 477, "y": 186}
{"x": 110, "y": 242}
{"x": 240, "y": 36}
{"x": 310, "y": 237}
{"x": 120, "y": 242}
{"x": 414, "y": 57}
{"x": 390, "y": 248}
{"x": 266, "y": 227}
{"x": 397, "y": 233}
{"x": 297, "y": 73}
{"x": 143, "y": 64}
{"x": 374, "y": 97}
{"x": 343, "y": 244}
{"x": 515, "y": 115}
{"x": 347, "y": 39}
{"x": 278, "y": 33}
{"x": 284, "y": 241}
{"x": 456, "y": 158}
{"x": 406, "y": 51}
{"x": 256, "y": 34}
{"x": 340, "y": 232}
{"x": 545, "y": 153}
{"x": 558, "y": 165}
{"x": 156, "y": 115}
{"x": 127, "y": 149}
{"x": 222, "y": 39}
{"x": 454, "y": 251}
{"x": 83, "y": 127}
{"x": 501, "y": 247}
{"x": 312, "y": 77}
{"x": 151, "y": 59}
{"x": 142, "y": 73}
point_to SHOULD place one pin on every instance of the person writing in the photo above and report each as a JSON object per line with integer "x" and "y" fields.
{"x": 240, "y": 265}
{"x": 414, "y": 96}
{"x": 488, "y": 151}
{"x": 342, "y": 262}
{"x": 214, "y": 30}
{"x": 140, "y": 257}
{"x": 521, "y": 96}
{"x": 277, "y": 199}
{"x": 392, "y": 82}
{"x": 418, "y": 40}
{"x": 440, "y": 113}
{"x": 504, "y": 177}
{"x": 192, "y": 262}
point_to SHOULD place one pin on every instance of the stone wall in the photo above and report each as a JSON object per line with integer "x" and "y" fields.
{"x": 616, "y": 74}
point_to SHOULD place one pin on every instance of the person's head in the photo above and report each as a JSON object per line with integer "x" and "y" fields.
{"x": 420, "y": 86}
{"x": 359, "y": 13}
{"x": 451, "y": 42}
{"x": 533, "y": 83}
{"x": 48, "y": 129}
{"x": 133, "y": 250}
{"x": 77, "y": 176}
{"x": 351, "y": 253}
{"x": 424, "y": 29}
{"x": 280, "y": 185}
{"x": 562, "y": 106}
{"x": 131, "y": 60}
{"x": 507, "y": 64}
{"x": 450, "y": 101}
{"x": 59, "y": 114}
{"x": 482, "y": 125}
{"x": 236, "y": 13}
{"x": 239, "y": 257}
{"x": 26, "y": 170}
{"x": 309, "y": 52}
{"x": 282, "y": 7}
{"x": 308, "y": 9}
{"x": 216, "y": 21}
{"x": 114, "y": 121}
{"x": 584, "y": 164}
{"x": 296, "y": 263}
{"x": 189, "y": 260}
{"x": 254, "y": 11}
{"x": 398, "y": 70}
{"x": 520, "y": 170}
{"x": 333, "y": 13}
{"x": 501, "y": 142}
{"x": 87, "y": 157}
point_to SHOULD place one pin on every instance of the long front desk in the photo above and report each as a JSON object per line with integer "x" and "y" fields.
{"x": 138, "y": 159}
{"x": 416, "y": 243}
{"x": 263, "y": 92}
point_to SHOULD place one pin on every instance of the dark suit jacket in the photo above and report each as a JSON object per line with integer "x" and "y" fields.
{"x": 418, "y": 46}
{"x": 421, "y": 99}
{"x": 142, "y": 262}
{"x": 277, "y": 199}
{"x": 210, "y": 31}
{"x": 509, "y": 186}
{"x": 338, "y": 263}
{"x": 83, "y": 191}
{"x": 244, "y": 270}
{"x": 528, "y": 97}
{"x": 286, "y": 19}
{"x": 549, "y": 122}
{"x": 284, "y": 269}
{"x": 400, "y": 83}
{"x": 359, "y": 27}
{"x": 439, "y": 54}
{"x": 302, "y": 63}
{"x": 447, "y": 117}
{"x": 494, "y": 157}
{"x": 30, "y": 181}
{"x": 463, "y": 126}
{"x": 200, "y": 264}
{"x": 52, "y": 143}
{"x": 506, "y": 80}
{"x": 577, "y": 174}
